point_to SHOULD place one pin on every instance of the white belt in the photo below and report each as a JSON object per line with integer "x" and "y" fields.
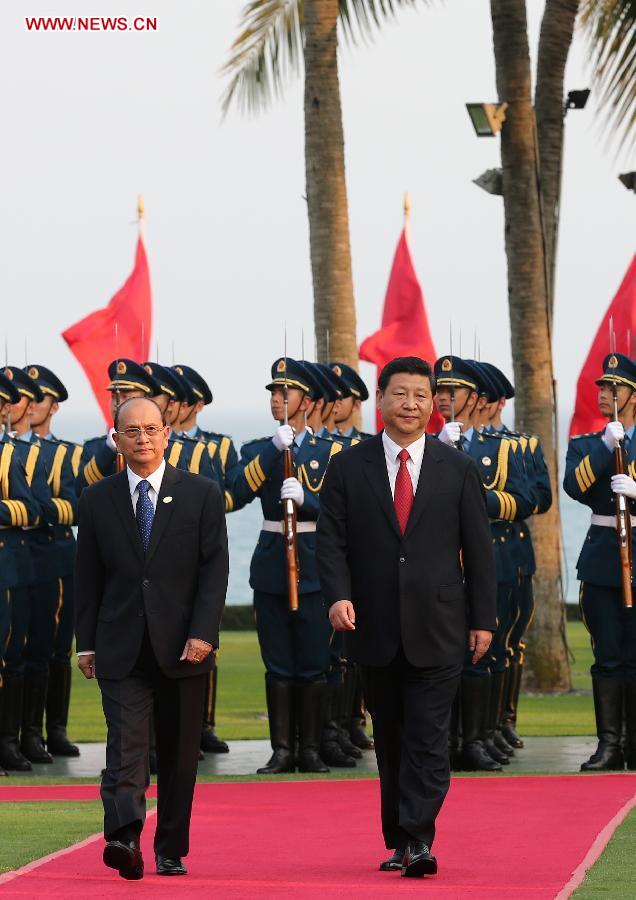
{"x": 608, "y": 521}
{"x": 279, "y": 527}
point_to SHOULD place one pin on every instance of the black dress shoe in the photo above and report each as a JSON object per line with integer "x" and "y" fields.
{"x": 167, "y": 865}
{"x": 394, "y": 863}
{"x": 126, "y": 858}
{"x": 212, "y": 743}
{"x": 418, "y": 861}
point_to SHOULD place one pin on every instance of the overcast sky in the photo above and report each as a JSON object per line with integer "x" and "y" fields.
{"x": 91, "y": 120}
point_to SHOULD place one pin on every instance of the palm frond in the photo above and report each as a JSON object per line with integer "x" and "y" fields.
{"x": 269, "y": 47}
{"x": 611, "y": 33}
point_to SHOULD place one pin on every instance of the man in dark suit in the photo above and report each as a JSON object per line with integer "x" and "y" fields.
{"x": 407, "y": 570}
{"x": 151, "y": 578}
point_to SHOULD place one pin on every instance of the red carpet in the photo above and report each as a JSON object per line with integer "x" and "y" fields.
{"x": 519, "y": 837}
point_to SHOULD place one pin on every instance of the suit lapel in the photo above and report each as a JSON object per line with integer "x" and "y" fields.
{"x": 427, "y": 483}
{"x": 123, "y": 504}
{"x": 163, "y": 512}
{"x": 376, "y": 473}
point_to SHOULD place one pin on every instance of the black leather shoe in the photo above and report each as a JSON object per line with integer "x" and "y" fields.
{"x": 502, "y": 744}
{"x": 126, "y": 858}
{"x": 394, "y": 863}
{"x": 279, "y": 762}
{"x": 212, "y": 743}
{"x": 170, "y": 866}
{"x": 418, "y": 861}
{"x": 3, "y": 773}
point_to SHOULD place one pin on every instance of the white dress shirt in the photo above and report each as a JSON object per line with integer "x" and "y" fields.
{"x": 413, "y": 464}
{"x": 154, "y": 481}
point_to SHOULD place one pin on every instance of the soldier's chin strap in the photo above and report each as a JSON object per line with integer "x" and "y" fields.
{"x": 459, "y": 412}
{"x": 291, "y": 415}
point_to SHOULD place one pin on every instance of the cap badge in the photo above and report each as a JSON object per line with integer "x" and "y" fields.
{"x": 446, "y": 365}
{"x": 178, "y": 370}
{"x": 314, "y": 464}
{"x": 486, "y": 461}
{"x": 281, "y": 365}
{"x": 8, "y": 372}
{"x": 337, "y": 370}
{"x": 121, "y": 367}
{"x": 148, "y": 369}
{"x": 612, "y": 362}
{"x": 33, "y": 372}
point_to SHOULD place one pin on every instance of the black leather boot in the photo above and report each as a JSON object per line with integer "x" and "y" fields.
{"x": 630, "y": 721}
{"x": 608, "y": 710}
{"x": 331, "y": 750}
{"x": 494, "y": 710}
{"x": 10, "y": 755}
{"x": 311, "y": 705}
{"x": 210, "y": 741}
{"x": 344, "y": 705}
{"x": 512, "y": 687}
{"x": 3, "y": 773}
{"x": 33, "y": 702}
{"x": 280, "y": 710}
{"x": 358, "y": 720}
{"x": 475, "y": 702}
{"x": 58, "y": 698}
{"x": 453, "y": 736}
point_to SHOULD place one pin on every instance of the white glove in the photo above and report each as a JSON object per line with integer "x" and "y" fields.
{"x": 451, "y": 433}
{"x": 109, "y": 440}
{"x": 284, "y": 437}
{"x": 623, "y": 484}
{"x": 613, "y": 435}
{"x": 292, "y": 489}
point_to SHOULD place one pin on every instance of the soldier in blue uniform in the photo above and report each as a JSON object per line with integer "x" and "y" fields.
{"x": 59, "y": 687}
{"x": 294, "y": 645}
{"x": 349, "y": 408}
{"x": 128, "y": 379}
{"x": 590, "y": 479}
{"x": 329, "y": 410}
{"x": 522, "y": 551}
{"x": 34, "y": 615}
{"x": 17, "y": 509}
{"x": 462, "y": 394}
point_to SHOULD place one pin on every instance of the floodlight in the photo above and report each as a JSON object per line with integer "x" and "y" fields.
{"x": 487, "y": 118}
{"x": 491, "y": 181}
{"x": 577, "y": 99}
{"x": 629, "y": 180}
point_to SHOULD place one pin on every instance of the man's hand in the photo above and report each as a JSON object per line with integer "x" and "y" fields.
{"x": 283, "y": 437}
{"x": 292, "y": 489}
{"x": 613, "y": 435}
{"x": 450, "y": 434}
{"x": 86, "y": 664}
{"x": 342, "y": 616}
{"x": 623, "y": 484}
{"x": 195, "y": 651}
{"x": 478, "y": 643}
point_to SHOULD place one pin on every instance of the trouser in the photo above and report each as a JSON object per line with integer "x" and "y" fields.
{"x": 128, "y": 704}
{"x": 65, "y": 620}
{"x": 523, "y": 607}
{"x": 33, "y": 625}
{"x": 5, "y": 624}
{"x": 294, "y": 646}
{"x": 612, "y": 629}
{"x": 410, "y": 707}
{"x": 494, "y": 660}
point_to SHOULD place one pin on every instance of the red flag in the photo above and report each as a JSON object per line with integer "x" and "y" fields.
{"x": 404, "y": 330}
{"x": 121, "y": 329}
{"x": 622, "y": 310}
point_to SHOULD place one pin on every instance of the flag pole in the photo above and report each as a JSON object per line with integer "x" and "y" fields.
{"x": 407, "y": 214}
{"x": 141, "y": 214}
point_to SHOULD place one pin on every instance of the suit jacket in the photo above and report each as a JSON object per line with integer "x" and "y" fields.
{"x": 423, "y": 589}
{"x": 177, "y": 588}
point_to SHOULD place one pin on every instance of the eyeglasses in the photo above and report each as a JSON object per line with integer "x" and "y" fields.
{"x": 151, "y": 431}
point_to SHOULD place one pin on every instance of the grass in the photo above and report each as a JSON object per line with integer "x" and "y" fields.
{"x": 36, "y": 829}
{"x": 614, "y": 875}
{"x": 241, "y": 712}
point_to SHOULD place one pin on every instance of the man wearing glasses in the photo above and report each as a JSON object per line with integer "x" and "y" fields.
{"x": 151, "y": 578}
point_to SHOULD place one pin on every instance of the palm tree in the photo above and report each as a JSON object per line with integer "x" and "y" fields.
{"x": 277, "y": 36}
{"x": 611, "y": 29}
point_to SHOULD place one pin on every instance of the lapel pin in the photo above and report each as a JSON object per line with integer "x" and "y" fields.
{"x": 167, "y": 499}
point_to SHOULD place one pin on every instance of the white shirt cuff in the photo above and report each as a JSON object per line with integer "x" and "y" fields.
{"x": 85, "y": 652}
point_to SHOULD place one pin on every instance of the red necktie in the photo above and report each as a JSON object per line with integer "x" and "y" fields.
{"x": 403, "y": 497}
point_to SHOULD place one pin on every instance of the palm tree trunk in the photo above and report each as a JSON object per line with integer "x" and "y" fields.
{"x": 557, "y": 29}
{"x": 334, "y": 306}
{"x": 547, "y": 659}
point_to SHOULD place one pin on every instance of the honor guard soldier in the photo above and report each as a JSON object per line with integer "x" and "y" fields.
{"x": 294, "y": 644}
{"x": 522, "y": 551}
{"x": 590, "y": 478}
{"x": 17, "y": 509}
{"x": 34, "y": 617}
{"x": 128, "y": 379}
{"x": 328, "y": 415}
{"x": 59, "y": 688}
{"x": 462, "y": 389}
{"x": 350, "y": 407}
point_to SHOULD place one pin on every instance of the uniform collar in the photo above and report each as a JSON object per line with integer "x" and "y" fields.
{"x": 154, "y": 479}
{"x": 26, "y": 437}
{"x": 468, "y": 435}
{"x": 192, "y": 432}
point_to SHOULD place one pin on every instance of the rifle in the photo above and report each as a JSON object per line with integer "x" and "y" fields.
{"x": 623, "y": 517}
{"x": 289, "y": 515}
{"x": 120, "y": 462}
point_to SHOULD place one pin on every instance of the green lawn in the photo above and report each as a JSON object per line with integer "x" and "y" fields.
{"x": 36, "y": 829}
{"x": 614, "y": 875}
{"x": 241, "y": 710}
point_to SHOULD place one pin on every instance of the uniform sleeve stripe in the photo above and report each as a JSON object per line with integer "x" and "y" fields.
{"x": 255, "y": 468}
{"x": 589, "y": 471}
{"x": 229, "y": 502}
{"x": 513, "y": 507}
{"x": 250, "y": 479}
{"x": 581, "y": 484}
{"x": 225, "y": 449}
{"x": 12, "y": 512}
{"x": 582, "y": 476}
{"x": 259, "y": 469}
